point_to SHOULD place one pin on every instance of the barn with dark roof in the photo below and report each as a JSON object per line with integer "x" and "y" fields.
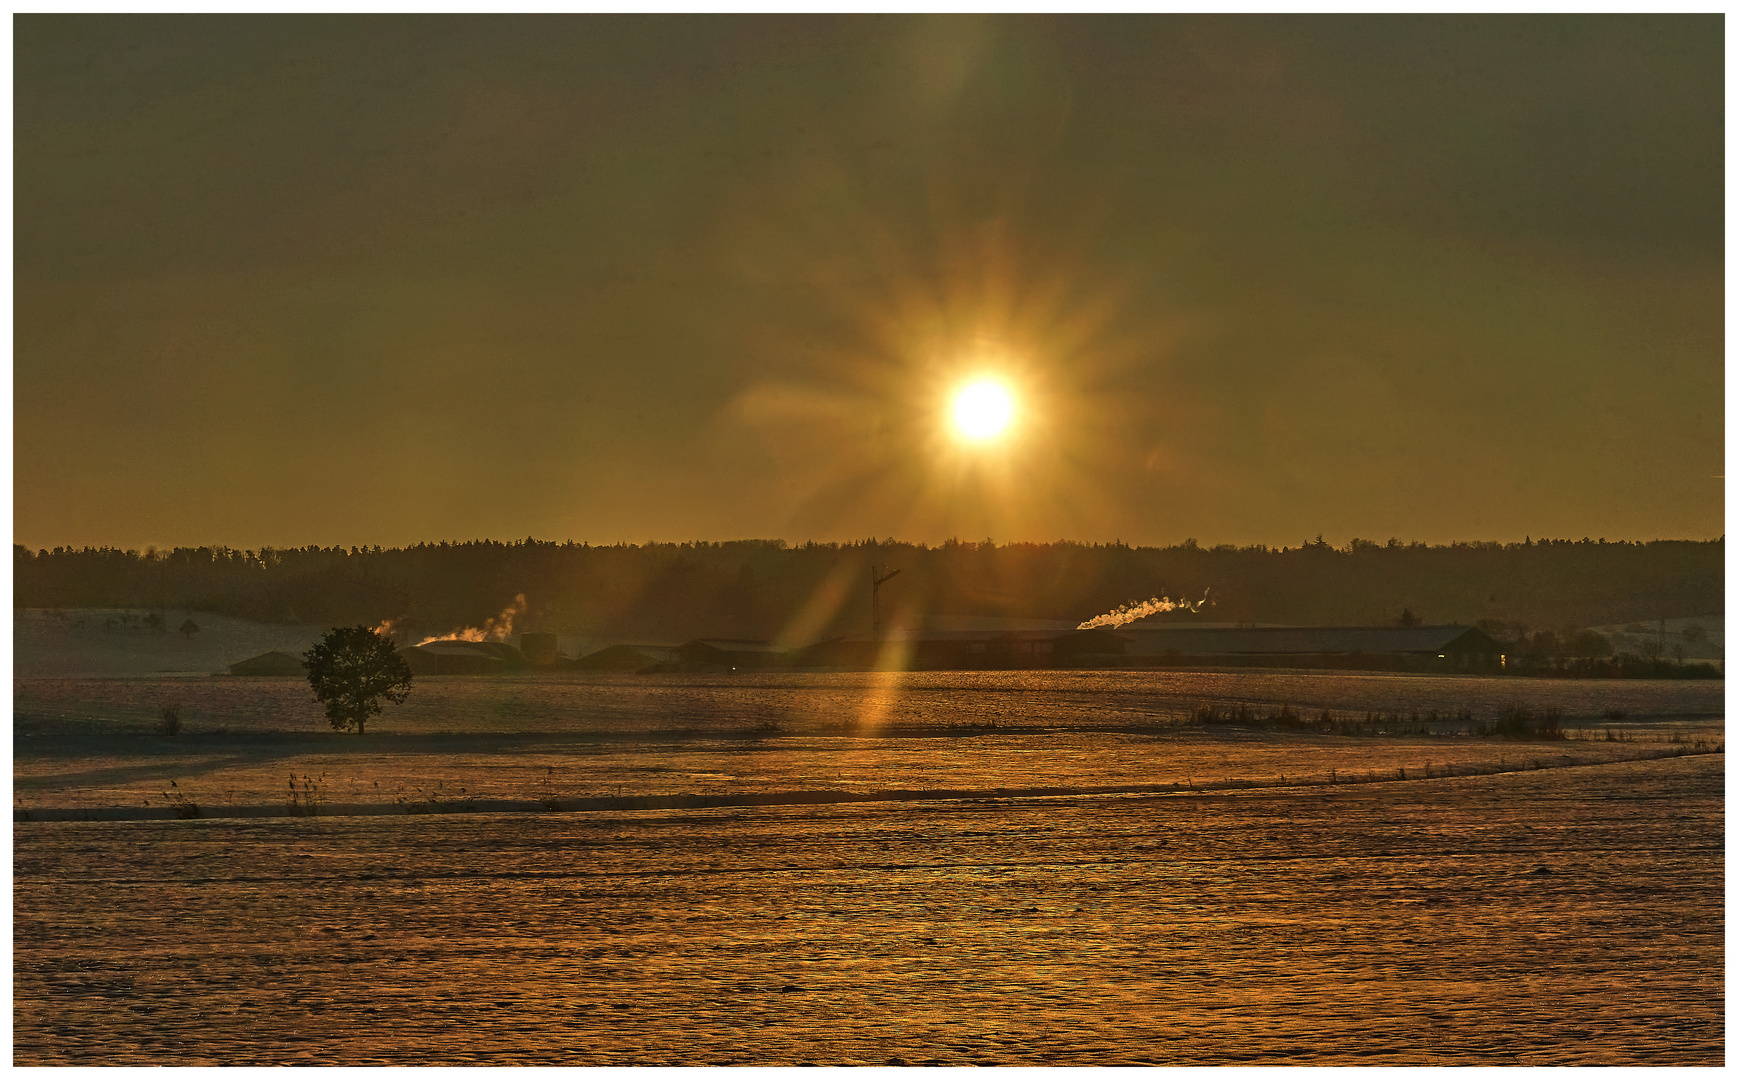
{"x": 1450, "y": 647}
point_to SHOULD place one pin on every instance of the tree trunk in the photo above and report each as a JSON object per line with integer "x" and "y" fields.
{"x": 361, "y": 726}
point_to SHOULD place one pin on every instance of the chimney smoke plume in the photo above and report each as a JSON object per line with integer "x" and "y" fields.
{"x": 1140, "y": 609}
{"x": 496, "y": 629}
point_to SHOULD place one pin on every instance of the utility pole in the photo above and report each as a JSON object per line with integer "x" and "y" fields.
{"x": 876, "y": 580}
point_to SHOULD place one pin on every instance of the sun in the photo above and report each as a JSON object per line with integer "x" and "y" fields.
{"x": 982, "y": 409}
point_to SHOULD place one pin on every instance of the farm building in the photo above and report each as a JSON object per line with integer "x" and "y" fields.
{"x": 967, "y": 649}
{"x": 732, "y": 653}
{"x": 269, "y": 663}
{"x": 541, "y": 649}
{"x": 628, "y": 658}
{"x": 463, "y": 658}
{"x": 1392, "y": 647}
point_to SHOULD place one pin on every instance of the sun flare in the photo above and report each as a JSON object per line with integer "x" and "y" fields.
{"x": 982, "y": 410}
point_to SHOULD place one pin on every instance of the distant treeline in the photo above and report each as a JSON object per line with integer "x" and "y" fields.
{"x": 768, "y": 589}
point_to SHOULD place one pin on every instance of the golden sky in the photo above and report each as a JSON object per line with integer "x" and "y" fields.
{"x": 345, "y": 280}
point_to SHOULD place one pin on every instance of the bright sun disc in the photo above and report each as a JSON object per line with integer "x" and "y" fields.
{"x": 982, "y": 409}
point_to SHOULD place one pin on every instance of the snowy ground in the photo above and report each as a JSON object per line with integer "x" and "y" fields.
{"x": 1199, "y": 896}
{"x": 1553, "y": 917}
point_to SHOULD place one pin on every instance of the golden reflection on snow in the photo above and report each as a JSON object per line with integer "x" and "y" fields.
{"x": 1569, "y": 916}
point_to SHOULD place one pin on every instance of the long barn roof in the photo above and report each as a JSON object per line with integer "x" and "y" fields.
{"x": 1064, "y": 631}
{"x": 1307, "y": 640}
{"x": 736, "y": 645}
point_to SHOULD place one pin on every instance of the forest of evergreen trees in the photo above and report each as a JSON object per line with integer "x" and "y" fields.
{"x": 768, "y": 589}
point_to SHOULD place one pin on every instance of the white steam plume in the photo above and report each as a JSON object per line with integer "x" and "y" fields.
{"x": 496, "y": 629}
{"x": 1140, "y": 609}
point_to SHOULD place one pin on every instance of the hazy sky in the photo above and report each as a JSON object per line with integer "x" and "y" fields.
{"x": 359, "y": 280}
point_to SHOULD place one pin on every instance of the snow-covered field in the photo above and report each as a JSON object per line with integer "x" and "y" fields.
{"x": 1182, "y": 895}
{"x": 1561, "y": 916}
{"x": 115, "y": 642}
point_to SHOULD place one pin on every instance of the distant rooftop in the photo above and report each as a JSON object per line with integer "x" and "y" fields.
{"x": 977, "y": 624}
{"x": 1265, "y": 640}
{"x": 739, "y": 645}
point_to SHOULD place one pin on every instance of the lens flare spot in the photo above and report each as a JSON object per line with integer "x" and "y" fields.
{"x": 982, "y": 410}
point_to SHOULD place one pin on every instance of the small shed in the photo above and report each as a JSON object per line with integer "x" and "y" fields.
{"x": 270, "y": 663}
{"x": 627, "y": 658}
